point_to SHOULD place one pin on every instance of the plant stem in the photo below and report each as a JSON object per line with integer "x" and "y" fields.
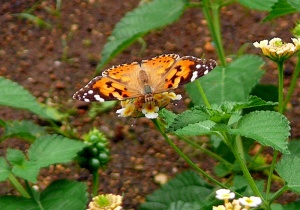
{"x": 18, "y": 186}
{"x": 95, "y": 183}
{"x": 213, "y": 19}
{"x": 278, "y": 193}
{"x": 293, "y": 82}
{"x": 183, "y": 156}
{"x": 208, "y": 152}
{"x": 237, "y": 155}
{"x": 280, "y": 110}
{"x": 200, "y": 89}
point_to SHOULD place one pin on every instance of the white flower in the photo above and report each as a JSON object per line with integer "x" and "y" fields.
{"x": 150, "y": 110}
{"x": 224, "y": 194}
{"x": 251, "y": 202}
{"x": 276, "y": 50}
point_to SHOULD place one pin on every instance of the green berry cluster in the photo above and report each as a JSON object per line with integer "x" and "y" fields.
{"x": 95, "y": 154}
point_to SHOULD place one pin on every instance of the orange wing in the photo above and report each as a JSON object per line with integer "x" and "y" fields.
{"x": 169, "y": 71}
{"x": 116, "y": 83}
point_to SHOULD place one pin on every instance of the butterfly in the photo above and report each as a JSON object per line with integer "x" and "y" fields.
{"x": 143, "y": 80}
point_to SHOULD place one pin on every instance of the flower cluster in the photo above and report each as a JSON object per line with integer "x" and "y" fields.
{"x": 277, "y": 50}
{"x": 106, "y": 202}
{"x": 137, "y": 107}
{"x": 243, "y": 203}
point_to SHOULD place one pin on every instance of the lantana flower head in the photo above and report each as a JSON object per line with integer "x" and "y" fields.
{"x": 224, "y": 194}
{"x": 137, "y": 107}
{"x": 106, "y": 202}
{"x": 250, "y": 201}
{"x": 277, "y": 50}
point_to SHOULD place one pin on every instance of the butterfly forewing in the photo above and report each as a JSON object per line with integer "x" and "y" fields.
{"x": 116, "y": 83}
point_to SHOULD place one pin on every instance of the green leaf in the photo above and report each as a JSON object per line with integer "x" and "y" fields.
{"x": 187, "y": 187}
{"x": 15, "y": 156}
{"x": 21, "y": 167}
{"x": 167, "y": 115}
{"x": 22, "y": 129}
{"x": 289, "y": 169}
{"x": 136, "y": 23}
{"x": 252, "y": 102}
{"x": 51, "y": 149}
{"x": 64, "y": 194}
{"x": 264, "y": 5}
{"x": 191, "y": 116}
{"x": 14, "y": 95}
{"x": 266, "y": 127}
{"x": 179, "y": 205}
{"x": 294, "y": 3}
{"x": 4, "y": 169}
{"x": 45, "y": 150}
{"x": 59, "y": 195}
{"x": 27, "y": 170}
{"x": 233, "y": 83}
{"x": 280, "y": 8}
{"x": 196, "y": 129}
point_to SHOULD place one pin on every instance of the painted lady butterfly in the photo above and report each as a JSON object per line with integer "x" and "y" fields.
{"x": 134, "y": 80}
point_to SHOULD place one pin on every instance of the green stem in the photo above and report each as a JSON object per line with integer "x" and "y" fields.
{"x": 183, "y": 156}
{"x": 200, "y": 89}
{"x": 18, "y": 186}
{"x": 208, "y": 152}
{"x": 278, "y": 193}
{"x": 280, "y": 110}
{"x": 95, "y": 183}
{"x": 212, "y": 15}
{"x": 280, "y": 87}
{"x": 293, "y": 83}
{"x": 250, "y": 180}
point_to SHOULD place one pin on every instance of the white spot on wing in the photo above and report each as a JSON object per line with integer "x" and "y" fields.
{"x": 206, "y": 72}
{"x": 198, "y": 66}
{"x": 90, "y": 92}
{"x": 195, "y": 76}
{"x": 98, "y": 98}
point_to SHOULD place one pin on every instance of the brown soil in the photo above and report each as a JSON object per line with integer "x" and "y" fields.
{"x": 33, "y": 57}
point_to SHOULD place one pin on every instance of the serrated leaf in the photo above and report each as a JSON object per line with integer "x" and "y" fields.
{"x": 197, "y": 129}
{"x": 4, "y": 169}
{"x": 294, "y": 3}
{"x": 280, "y": 8}
{"x": 136, "y": 23}
{"x": 191, "y": 116}
{"x": 179, "y": 205}
{"x": 28, "y": 170}
{"x": 22, "y": 129}
{"x": 167, "y": 115}
{"x": 252, "y": 102}
{"x": 20, "y": 203}
{"x": 59, "y": 195}
{"x": 64, "y": 194}
{"x": 233, "y": 83}
{"x": 51, "y": 149}
{"x": 264, "y": 5}
{"x": 289, "y": 169}
{"x": 266, "y": 127}
{"x": 187, "y": 187}
{"x": 15, "y": 156}
{"x": 14, "y": 95}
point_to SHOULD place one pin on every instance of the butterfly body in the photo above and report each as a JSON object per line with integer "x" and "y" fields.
{"x": 134, "y": 80}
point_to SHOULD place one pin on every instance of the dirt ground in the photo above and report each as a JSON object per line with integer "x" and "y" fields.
{"x": 34, "y": 57}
